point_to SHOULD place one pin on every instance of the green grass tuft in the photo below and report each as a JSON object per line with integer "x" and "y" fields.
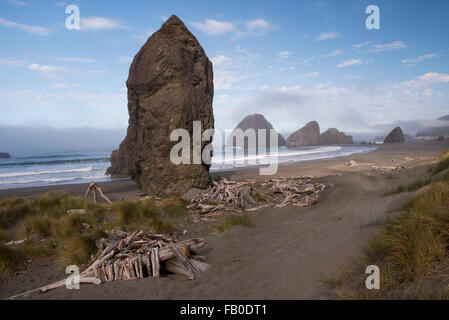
{"x": 233, "y": 220}
{"x": 9, "y": 258}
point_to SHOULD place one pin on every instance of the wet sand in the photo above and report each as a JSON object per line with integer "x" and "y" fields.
{"x": 288, "y": 252}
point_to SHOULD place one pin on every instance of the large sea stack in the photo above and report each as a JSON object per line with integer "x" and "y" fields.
{"x": 395, "y": 136}
{"x": 333, "y": 136}
{"x": 170, "y": 85}
{"x": 4, "y": 155}
{"x": 257, "y": 121}
{"x": 309, "y": 135}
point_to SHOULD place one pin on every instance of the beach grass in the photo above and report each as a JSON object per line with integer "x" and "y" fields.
{"x": 9, "y": 258}
{"x": 408, "y": 251}
{"x": 48, "y": 229}
{"x": 174, "y": 207}
{"x": 230, "y": 221}
{"x": 436, "y": 171}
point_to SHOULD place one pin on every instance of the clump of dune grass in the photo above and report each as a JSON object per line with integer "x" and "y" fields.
{"x": 56, "y": 205}
{"x": 12, "y": 210}
{"x": 138, "y": 214}
{"x": 415, "y": 185}
{"x": 48, "y": 229}
{"x": 38, "y": 225}
{"x": 442, "y": 155}
{"x": 441, "y": 166}
{"x": 174, "y": 207}
{"x": 9, "y": 258}
{"x": 3, "y": 236}
{"x": 409, "y": 248}
{"x": 230, "y": 221}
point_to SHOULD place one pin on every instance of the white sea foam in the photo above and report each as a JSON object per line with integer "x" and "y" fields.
{"x": 29, "y": 181}
{"x": 38, "y": 173}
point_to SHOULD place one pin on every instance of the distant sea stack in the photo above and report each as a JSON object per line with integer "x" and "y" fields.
{"x": 170, "y": 85}
{"x": 395, "y": 136}
{"x": 257, "y": 121}
{"x": 436, "y": 131}
{"x": 309, "y": 135}
{"x": 5, "y": 155}
{"x": 333, "y": 136}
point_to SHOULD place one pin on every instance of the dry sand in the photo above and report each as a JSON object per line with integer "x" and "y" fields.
{"x": 288, "y": 252}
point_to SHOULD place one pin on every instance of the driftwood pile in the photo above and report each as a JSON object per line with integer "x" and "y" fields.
{"x": 142, "y": 254}
{"x": 125, "y": 256}
{"x": 226, "y": 195}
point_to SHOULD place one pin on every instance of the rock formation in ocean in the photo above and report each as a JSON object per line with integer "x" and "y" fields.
{"x": 333, "y": 136}
{"x": 395, "y": 136}
{"x": 170, "y": 85}
{"x": 4, "y": 155}
{"x": 119, "y": 163}
{"x": 309, "y": 135}
{"x": 257, "y": 121}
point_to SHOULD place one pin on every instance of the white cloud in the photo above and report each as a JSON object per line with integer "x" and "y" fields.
{"x": 13, "y": 62}
{"x": 125, "y": 60}
{"x": 358, "y": 46}
{"x": 333, "y": 54}
{"x": 76, "y": 59}
{"x": 41, "y": 31}
{"x": 352, "y": 62}
{"x": 433, "y": 77}
{"x": 214, "y": 27}
{"x": 353, "y": 77}
{"x": 389, "y": 46}
{"x": 241, "y": 28}
{"x": 284, "y": 54}
{"x": 309, "y": 75}
{"x": 99, "y": 23}
{"x": 143, "y": 37}
{"x": 20, "y": 3}
{"x": 46, "y": 70}
{"x": 63, "y": 86}
{"x": 257, "y": 26}
{"x": 221, "y": 60}
{"x": 420, "y": 58}
{"x": 326, "y": 36}
{"x": 61, "y": 4}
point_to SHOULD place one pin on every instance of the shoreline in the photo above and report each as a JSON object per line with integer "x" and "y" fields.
{"x": 127, "y": 185}
{"x": 226, "y": 171}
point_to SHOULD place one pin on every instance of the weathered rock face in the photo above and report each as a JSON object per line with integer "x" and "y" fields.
{"x": 395, "y": 136}
{"x": 309, "y": 135}
{"x": 333, "y": 136}
{"x": 257, "y": 121}
{"x": 119, "y": 163}
{"x": 4, "y": 155}
{"x": 170, "y": 85}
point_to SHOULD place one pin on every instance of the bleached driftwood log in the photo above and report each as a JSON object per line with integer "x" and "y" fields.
{"x": 94, "y": 188}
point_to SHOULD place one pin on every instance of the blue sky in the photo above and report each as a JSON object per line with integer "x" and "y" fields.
{"x": 293, "y": 61}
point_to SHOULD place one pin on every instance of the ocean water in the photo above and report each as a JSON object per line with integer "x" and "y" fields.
{"x": 43, "y": 169}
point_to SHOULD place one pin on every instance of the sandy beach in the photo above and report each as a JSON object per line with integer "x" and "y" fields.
{"x": 287, "y": 253}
